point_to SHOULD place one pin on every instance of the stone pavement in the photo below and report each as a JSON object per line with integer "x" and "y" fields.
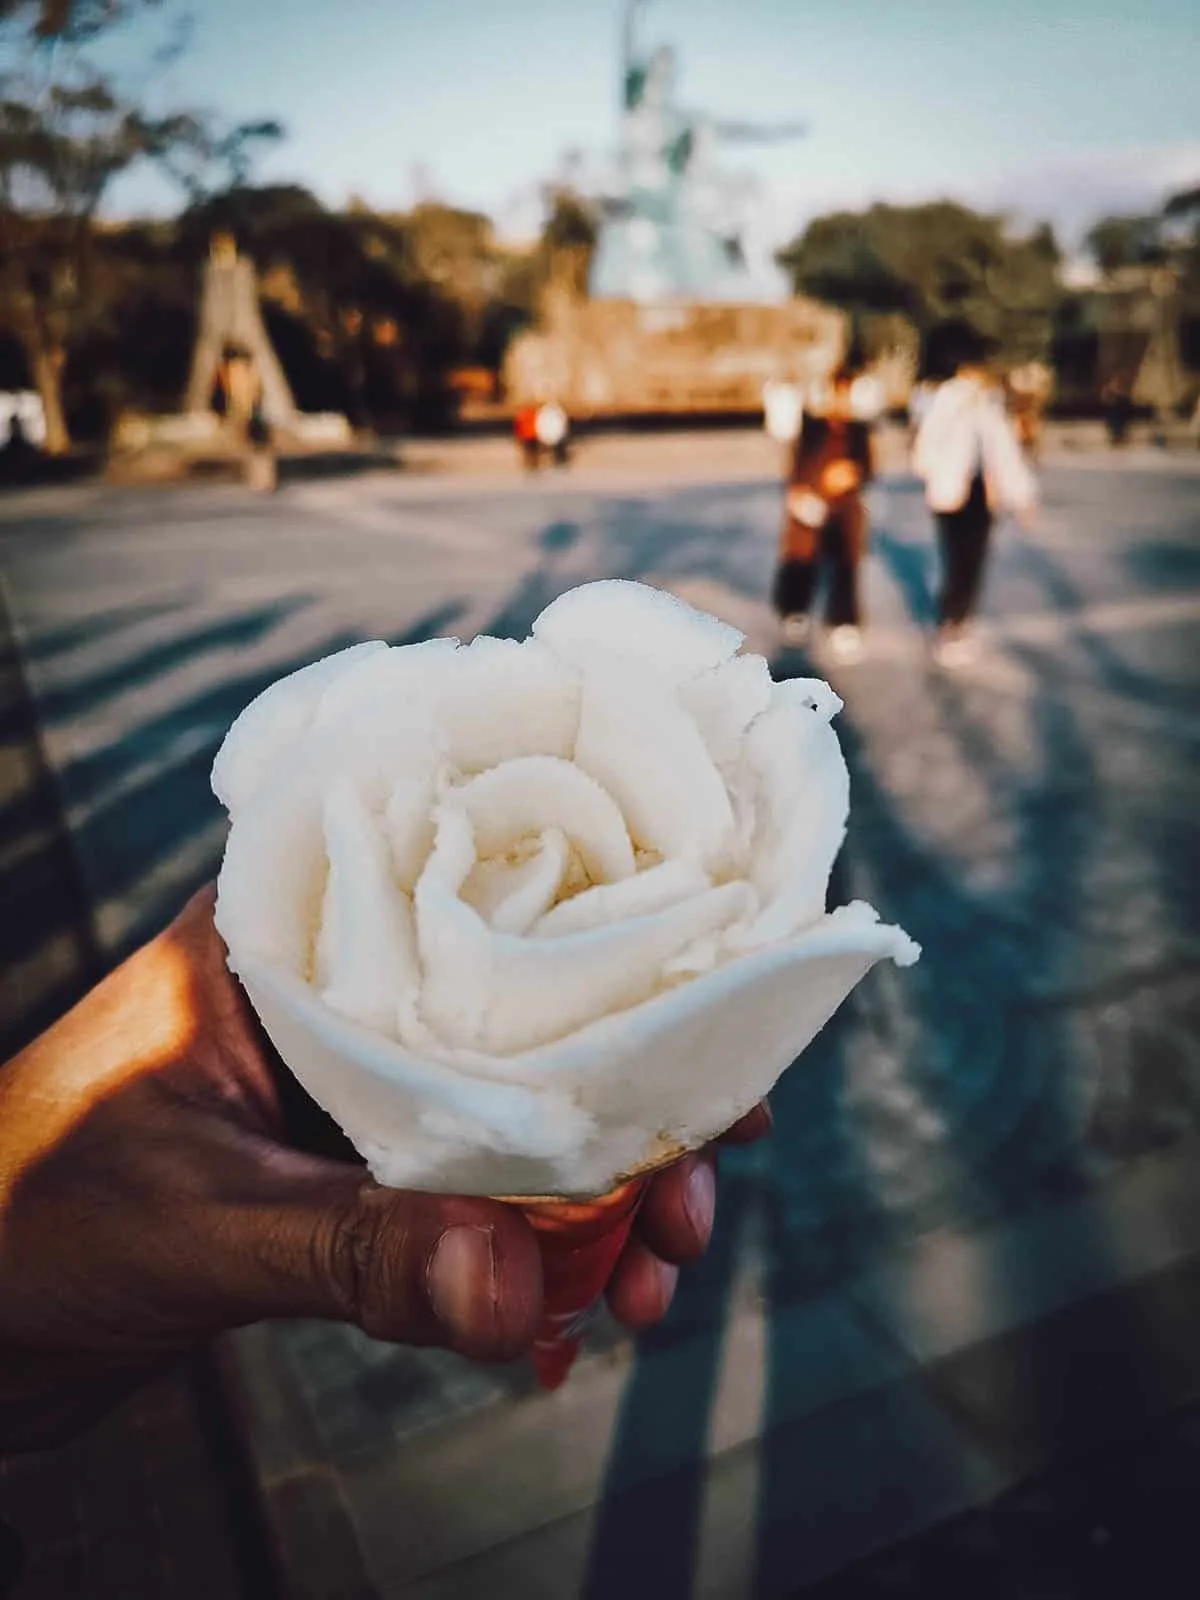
{"x": 969, "y": 1252}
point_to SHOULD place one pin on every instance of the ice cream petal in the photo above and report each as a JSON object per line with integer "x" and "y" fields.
{"x": 400, "y": 676}
{"x": 637, "y": 742}
{"x": 653, "y": 890}
{"x": 533, "y": 793}
{"x": 647, "y": 626}
{"x": 421, "y": 1123}
{"x": 366, "y": 962}
{"x": 510, "y": 699}
{"x": 452, "y": 938}
{"x": 511, "y": 897}
{"x": 271, "y": 724}
{"x": 272, "y": 879}
{"x": 489, "y": 700}
{"x": 546, "y": 988}
{"x": 408, "y": 822}
{"x": 725, "y": 700}
{"x": 497, "y": 994}
{"x": 572, "y": 1115}
{"x": 671, "y": 1073}
{"x": 810, "y": 694}
{"x": 802, "y": 804}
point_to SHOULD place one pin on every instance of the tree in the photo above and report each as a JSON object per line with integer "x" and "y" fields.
{"x": 568, "y": 239}
{"x": 558, "y": 266}
{"x": 1153, "y": 260}
{"x": 371, "y": 311}
{"x": 1118, "y": 242}
{"x": 67, "y": 129}
{"x": 933, "y": 262}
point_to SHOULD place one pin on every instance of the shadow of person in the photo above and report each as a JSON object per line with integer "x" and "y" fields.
{"x": 911, "y": 564}
{"x": 807, "y": 1175}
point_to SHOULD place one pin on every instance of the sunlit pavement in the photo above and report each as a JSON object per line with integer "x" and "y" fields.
{"x": 969, "y": 1252}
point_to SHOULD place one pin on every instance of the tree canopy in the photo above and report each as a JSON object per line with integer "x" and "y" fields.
{"x": 933, "y": 262}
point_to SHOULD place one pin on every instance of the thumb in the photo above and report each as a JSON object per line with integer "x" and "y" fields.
{"x": 322, "y": 1239}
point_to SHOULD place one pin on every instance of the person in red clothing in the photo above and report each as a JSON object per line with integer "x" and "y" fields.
{"x": 525, "y": 431}
{"x": 542, "y": 430}
{"x": 825, "y": 517}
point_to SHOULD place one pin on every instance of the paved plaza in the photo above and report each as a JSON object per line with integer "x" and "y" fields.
{"x": 970, "y": 1252}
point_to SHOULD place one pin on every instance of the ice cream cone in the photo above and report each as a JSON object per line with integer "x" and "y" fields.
{"x": 580, "y": 1242}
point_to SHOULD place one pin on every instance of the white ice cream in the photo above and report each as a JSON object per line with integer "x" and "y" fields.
{"x": 522, "y": 917}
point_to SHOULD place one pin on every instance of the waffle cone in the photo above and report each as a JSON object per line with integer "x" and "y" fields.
{"x": 580, "y": 1241}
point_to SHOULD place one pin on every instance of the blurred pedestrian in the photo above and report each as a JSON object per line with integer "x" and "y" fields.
{"x": 920, "y": 398}
{"x": 525, "y": 433}
{"x": 968, "y": 453}
{"x": 542, "y": 430}
{"x": 1029, "y": 388}
{"x": 22, "y": 420}
{"x": 553, "y": 429}
{"x": 262, "y": 464}
{"x": 825, "y": 517}
{"x": 1118, "y": 410}
{"x": 241, "y": 390}
{"x": 783, "y": 407}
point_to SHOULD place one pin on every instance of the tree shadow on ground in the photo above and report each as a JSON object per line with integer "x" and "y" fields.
{"x": 134, "y": 822}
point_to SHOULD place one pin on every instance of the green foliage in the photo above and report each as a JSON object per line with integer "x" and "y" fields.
{"x": 568, "y": 240}
{"x": 372, "y": 311}
{"x": 1185, "y": 204}
{"x": 1168, "y": 238}
{"x": 1170, "y": 235}
{"x": 1118, "y": 242}
{"x": 932, "y": 262}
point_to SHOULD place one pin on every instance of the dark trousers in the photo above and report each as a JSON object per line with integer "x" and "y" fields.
{"x": 963, "y": 537}
{"x": 838, "y": 546}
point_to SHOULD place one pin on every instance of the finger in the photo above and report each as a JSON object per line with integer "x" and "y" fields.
{"x": 756, "y": 1124}
{"x": 321, "y": 1239}
{"x": 640, "y": 1289}
{"x": 676, "y": 1216}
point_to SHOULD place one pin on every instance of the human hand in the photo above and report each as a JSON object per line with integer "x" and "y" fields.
{"x": 162, "y": 1177}
{"x": 806, "y": 507}
{"x": 839, "y": 478}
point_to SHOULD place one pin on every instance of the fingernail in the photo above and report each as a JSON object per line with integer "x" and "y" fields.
{"x": 700, "y": 1200}
{"x": 668, "y": 1277}
{"x": 461, "y": 1282}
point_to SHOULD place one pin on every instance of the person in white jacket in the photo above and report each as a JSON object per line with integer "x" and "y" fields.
{"x": 967, "y": 451}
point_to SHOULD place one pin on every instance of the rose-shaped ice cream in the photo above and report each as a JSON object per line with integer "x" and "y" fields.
{"x": 528, "y": 917}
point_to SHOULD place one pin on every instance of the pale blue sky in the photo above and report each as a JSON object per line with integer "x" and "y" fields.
{"x": 1051, "y": 105}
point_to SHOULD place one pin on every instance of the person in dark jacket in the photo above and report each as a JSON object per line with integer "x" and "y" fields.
{"x": 825, "y": 518}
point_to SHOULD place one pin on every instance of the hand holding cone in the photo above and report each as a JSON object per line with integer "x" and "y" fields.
{"x": 510, "y": 911}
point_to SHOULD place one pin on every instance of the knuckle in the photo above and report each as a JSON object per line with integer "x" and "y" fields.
{"x": 351, "y": 1252}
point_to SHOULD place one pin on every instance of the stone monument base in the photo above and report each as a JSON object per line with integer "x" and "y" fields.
{"x": 622, "y": 357}
{"x": 168, "y": 446}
